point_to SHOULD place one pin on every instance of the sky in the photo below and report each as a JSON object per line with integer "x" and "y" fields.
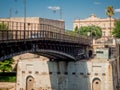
{"x": 71, "y": 9}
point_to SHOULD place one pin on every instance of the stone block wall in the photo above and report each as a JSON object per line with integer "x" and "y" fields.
{"x": 39, "y": 74}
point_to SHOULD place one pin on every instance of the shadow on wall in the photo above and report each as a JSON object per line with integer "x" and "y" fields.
{"x": 44, "y": 74}
{"x": 69, "y": 75}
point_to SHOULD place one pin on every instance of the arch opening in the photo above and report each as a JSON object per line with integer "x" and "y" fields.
{"x": 30, "y": 83}
{"x": 96, "y": 84}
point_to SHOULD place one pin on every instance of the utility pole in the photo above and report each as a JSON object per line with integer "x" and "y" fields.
{"x": 10, "y": 15}
{"x": 60, "y": 13}
{"x": 79, "y": 22}
{"x": 24, "y": 18}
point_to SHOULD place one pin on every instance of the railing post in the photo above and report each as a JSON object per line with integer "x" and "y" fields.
{"x": 16, "y": 35}
{"x": 7, "y": 35}
{"x": 2, "y": 35}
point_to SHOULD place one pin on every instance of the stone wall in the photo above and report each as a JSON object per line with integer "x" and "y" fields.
{"x": 41, "y": 74}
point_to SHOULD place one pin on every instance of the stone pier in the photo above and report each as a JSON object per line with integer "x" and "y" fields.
{"x": 42, "y": 74}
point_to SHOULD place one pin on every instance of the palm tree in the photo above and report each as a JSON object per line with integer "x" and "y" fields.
{"x": 110, "y": 13}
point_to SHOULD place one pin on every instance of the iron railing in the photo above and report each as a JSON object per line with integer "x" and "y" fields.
{"x": 12, "y": 35}
{"x": 35, "y": 31}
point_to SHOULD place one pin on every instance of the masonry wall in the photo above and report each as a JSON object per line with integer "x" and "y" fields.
{"x": 35, "y": 74}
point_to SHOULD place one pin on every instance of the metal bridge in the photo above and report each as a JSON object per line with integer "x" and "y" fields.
{"x": 48, "y": 41}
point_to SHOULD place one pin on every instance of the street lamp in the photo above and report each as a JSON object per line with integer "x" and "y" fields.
{"x": 61, "y": 13}
{"x": 24, "y": 18}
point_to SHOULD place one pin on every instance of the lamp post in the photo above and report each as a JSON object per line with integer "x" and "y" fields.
{"x": 10, "y": 12}
{"x": 79, "y": 22}
{"x": 60, "y": 13}
{"x": 24, "y": 18}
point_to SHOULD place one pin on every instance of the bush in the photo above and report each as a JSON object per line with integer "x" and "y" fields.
{"x": 7, "y": 78}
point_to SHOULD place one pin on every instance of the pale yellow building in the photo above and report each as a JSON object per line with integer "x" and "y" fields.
{"x": 34, "y": 23}
{"x": 104, "y": 23}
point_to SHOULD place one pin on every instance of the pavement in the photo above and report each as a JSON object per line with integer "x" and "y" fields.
{"x": 7, "y": 86}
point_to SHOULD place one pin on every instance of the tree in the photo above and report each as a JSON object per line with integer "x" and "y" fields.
{"x": 4, "y": 33}
{"x": 6, "y": 65}
{"x": 76, "y": 28}
{"x": 95, "y": 31}
{"x": 3, "y": 26}
{"x": 110, "y": 13}
{"x": 83, "y": 30}
{"x": 70, "y": 32}
{"x": 116, "y": 29}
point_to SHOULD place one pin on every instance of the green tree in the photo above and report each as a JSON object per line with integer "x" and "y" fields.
{"x": 83, "y": 30}
{"x": 116, "y": 29}
{"x": 95, "y": 31}
{"x": 6, "y": 65}
{"x": 110, "y": 13}
{"x": 70, "y": 32}
{"x": 3, "y": 26}
{"x": 76, "y": 28}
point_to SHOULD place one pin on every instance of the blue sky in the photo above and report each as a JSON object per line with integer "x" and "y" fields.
{"x": 71, "y": 9}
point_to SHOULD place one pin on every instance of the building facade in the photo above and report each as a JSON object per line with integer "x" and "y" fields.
{"x": 34, "y": 23}
{"x": 104, "y": 24}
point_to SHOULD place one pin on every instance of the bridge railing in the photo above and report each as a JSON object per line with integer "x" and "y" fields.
{"x": 12, "y": 35}
{"x": 14, "y": 31}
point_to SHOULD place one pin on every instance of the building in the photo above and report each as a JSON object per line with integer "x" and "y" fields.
{"x": 104, "y": 23}
{"x": 34, "y": 23}
{"x": 118, "y": 64}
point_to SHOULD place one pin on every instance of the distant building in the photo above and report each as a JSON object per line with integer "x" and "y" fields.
{"x": 104, "y": 23}
{"x": 34, "y": 23}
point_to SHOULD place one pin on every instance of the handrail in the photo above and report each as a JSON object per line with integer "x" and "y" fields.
{"x": 12, "y": 35}
{"x": 37, "y": 31}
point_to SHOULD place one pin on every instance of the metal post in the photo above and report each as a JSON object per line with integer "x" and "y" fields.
{"x": 110, "y": 27}
{"x": 10, "y": 19}
{"x": 60, "y": 13}
{"x": 79, "y": 23}
{"x": 24, "y": 18}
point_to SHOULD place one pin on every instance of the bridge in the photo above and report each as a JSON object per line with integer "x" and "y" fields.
{"x": 48, "y": 41}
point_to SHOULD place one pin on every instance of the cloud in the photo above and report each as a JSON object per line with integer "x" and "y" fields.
{"x": 117, "y": 10}
{"x": 97, "y": 3}
{"x": 54, "y": 8}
